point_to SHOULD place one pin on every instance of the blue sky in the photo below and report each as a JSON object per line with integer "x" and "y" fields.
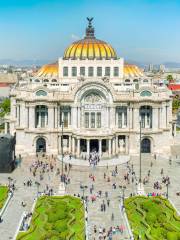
{"x": 142, "y": 30}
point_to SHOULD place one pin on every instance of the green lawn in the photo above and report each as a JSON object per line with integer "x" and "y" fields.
{"x": 3, "y": 195}
{"x": 56, "y": 218}
{"x": 152, "y": 218}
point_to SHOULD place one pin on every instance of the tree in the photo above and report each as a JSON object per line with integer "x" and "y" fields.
{"x": 170, "y": 78}
{"x": 4, "y": 107}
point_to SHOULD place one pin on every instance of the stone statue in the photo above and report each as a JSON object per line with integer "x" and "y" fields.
{"x": 93, "y": 98}
{"x": 90, "y": 20}
{"x": 121, "y": 145}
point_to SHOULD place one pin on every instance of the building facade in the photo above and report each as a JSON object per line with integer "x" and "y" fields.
{"x": 90, "y": 100}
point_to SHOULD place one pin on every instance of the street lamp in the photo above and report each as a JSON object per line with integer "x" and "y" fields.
{"x": 37, "y": 185}
{"x": 123, "y": 188}
{"x": 9, "y": 180}
{"x": 140, "y": 135}
{"x": 62, "y": 153}
{"x": 167, "y": 193}
{"x": 83, "y": 188}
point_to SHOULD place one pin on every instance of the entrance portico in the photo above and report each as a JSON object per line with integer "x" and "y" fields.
{"x": 105, "y": 147}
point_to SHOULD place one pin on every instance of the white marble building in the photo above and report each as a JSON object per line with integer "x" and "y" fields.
{"x": 100, "y": 100}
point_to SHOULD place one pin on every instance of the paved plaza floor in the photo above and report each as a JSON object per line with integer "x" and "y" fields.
{"x": 80, "y": 176}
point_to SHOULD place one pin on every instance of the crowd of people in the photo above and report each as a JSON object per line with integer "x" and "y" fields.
{"x": 94, "y": 158}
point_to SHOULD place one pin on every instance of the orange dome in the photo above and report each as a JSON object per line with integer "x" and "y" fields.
{"x": 48, "y": 70}
{"x": 132, "y": 71}
{"x": 90, "y": 47}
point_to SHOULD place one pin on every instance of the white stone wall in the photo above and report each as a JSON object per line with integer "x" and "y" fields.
{"x": 160, "y": 134}
{"x": 90, "y": 63}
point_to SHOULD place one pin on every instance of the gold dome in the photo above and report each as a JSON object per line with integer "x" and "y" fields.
{"x": 132, "y": 71}
{"x": 90, "y": 47}
{"x": 48, "y": 70}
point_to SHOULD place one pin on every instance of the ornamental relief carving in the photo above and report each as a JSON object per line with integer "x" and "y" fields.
{"x": 93, "y": 98}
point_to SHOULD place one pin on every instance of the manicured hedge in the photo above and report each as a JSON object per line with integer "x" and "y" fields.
{"x": 56, "y": 218}
{"x": 3, "y": 195}
{"x": 152, "y": 218}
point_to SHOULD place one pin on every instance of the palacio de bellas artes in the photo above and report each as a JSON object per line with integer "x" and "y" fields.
{"x": 100, "y": 99}
{"x": 89, "y": 128}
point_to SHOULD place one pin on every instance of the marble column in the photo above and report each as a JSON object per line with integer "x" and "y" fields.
{"x": 155, "y": 118}
{"x": 73, "y": 146}
{"x": 113, "y": 146}
{"x": 100, "y": 147}
{"x": 32, "y": 117}
{"x": 136, "y": 118}
{"x": 117, "y": 148}
{"x": 109, "y": 149}
{"x": 78, "y": 147}
{"x": 127, "y": 144}
{"x": 70, "y": 145}
{"x": 88, "y": 146}
{"x": 59, "y": 137}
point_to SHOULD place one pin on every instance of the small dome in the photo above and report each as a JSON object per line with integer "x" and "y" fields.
{"x": 48, "y": 70}
{"x": 132, "y": 71}
{"x": 90, "y": 47}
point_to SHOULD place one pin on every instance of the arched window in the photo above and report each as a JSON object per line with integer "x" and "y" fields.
{"x": 41, "y": 145}
{"x": 41, "y": 116}
{"x": 121, "y": 116}
{"x": 145, "y": 93}
{"x": 127, "y": 81}
{"x": 37, "y": 80}
{"x": 145, "y": 113}
{"x": 41, "y": 93}
{"x": 135, "y": 80}
{"x": 54, "y": 80}
{"x": 146, "y": 145}
{"x": 45, "y": 80}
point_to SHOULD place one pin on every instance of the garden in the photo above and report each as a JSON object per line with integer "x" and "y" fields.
{"x": 152, "y": 218}
{"x": 3, "y": 195}
{"x": 56, "y": 218}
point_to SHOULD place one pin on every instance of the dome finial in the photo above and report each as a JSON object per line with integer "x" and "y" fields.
{"x": 89, "y": 29}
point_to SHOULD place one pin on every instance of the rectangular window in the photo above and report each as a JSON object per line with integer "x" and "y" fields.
{"x": 107, "y": 71}
{"x": 74, "y": 71}
{"x": 90, "y": 71}
{"x": 99, "y": 71}
{"x": 65, "y": 119}
{"x": 65, "y": 71}
{"x": 92, "y": 120}
{"x": 98, "y": 120}
{"x": 143, "y": 120}
{"x": 82, "y": 71}
{"x": 119, "y": 119}
{"x": 42, "y": 120}
{"x": 116, "y": 71}
{"x": 86, "y": 123}
{"x": 125, "y": 116}
{"x": 28, "y": 117}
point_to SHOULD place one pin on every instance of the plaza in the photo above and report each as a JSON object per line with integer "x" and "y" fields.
{"x": 81, "y": 176}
